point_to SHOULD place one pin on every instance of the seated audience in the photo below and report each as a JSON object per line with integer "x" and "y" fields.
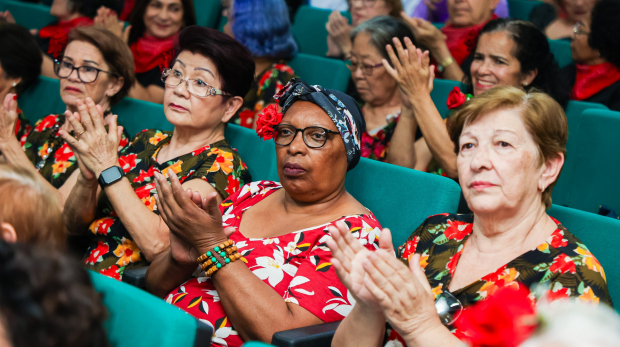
{"x": 152, "y": 34}
{"x": 436, "y": 11}
{"x": 29, "y": 212}
{"x": 283, "y": 279}
{"x": 20, "y": 66}
{"x": 384, "y": 110}
{"x": 264, "y": 28}
{"x": 47, "y": 299}
{"x": 595, "y": 76}
{"x": 511, "y": 148}
{"x": 508, "y": 52}
{"x": 97, "y": 65}
{"x": 557, "y": 18}
{"x": 204, "y": 89}
{"x": 339, "y": 42}
{"x": 450, "y": 46}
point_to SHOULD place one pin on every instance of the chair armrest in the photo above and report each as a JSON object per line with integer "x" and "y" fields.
{"x": 136, "y": 277}
{"x": 204, "y": 333}
{"x": 311, "y": 336}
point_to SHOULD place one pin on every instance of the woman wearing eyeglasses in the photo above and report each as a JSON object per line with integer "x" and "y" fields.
{"x": 96, "y": 64}
{"x": 280, "y": 276}
{"x": 595, "y": 76}
{"x": 511, "y": 147}
{"x": 556, "y": 18}
{"x": 113, "y": 201}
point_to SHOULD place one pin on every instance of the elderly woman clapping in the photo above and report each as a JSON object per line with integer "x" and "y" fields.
{"x": 285, "y": 279}
{"x": 511, "y": 148}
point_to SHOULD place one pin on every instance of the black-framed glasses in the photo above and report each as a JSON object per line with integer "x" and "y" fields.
{"x": 197, "y": 87}
{"x": 578, "y": 29}
{"x": 448, "y": 307}
{"x": 86, "y": 74}
{"x": 366, "y": 69}
{"x": 314, "y": 136}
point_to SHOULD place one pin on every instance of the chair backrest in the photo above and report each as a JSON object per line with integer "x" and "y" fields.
{"x": 441, "y": 89}
{"x": 561, "y": 52}
{"x": 401, "y": 198}
{"x": 137, "y": 318}
{"x": 207, "y": 12}
{"x": 41, "y": 98}
{"x": 329, "y": 73}
{"x": 309, "y": 29}
{"x": 28, "y": 15}
{"x": 601, "y": 235}
{"x": 258, "y": 155}
{"x": 574, "y": 110}
{"x": 255, "y": 344}
{"x": 137, "y": 115}
{"x": 597, "y": 162}
{"x": 521, "y": 9}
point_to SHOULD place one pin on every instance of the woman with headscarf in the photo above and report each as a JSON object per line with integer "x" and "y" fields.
{"x": 285, "y": 279}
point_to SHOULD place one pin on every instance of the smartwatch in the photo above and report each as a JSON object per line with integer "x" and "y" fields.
{"x": 110, "y": 175}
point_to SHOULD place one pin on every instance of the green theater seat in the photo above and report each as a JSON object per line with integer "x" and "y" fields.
{"x": 561, "y": 52}
{"x": 441, "y": 89}
{"x": 41, "y": 99}
{"x": 28, "y": 15}
{"x": 207, "y": 12}
{"x": 258, "y": 155}
{"x": 329, "y": 73}
{"x": 137, "y": 318}
{"x": 521, "y": 9}
{"x": 137, "y": 115}
{"x": 309, "y": 29}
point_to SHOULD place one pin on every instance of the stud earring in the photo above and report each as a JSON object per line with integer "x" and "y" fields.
{"x": 525, "y": 84}
{"x": 14, "y": 84}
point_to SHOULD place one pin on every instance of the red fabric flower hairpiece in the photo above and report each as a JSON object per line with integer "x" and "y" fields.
{"x": 267, "y": 119}
{"x": 456, "y": 98}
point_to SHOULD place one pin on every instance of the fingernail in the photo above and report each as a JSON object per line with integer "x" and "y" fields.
{"x": 15, "y": 97}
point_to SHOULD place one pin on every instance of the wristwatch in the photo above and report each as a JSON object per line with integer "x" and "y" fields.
{"x": 110, "y": 175}
{"x": 445, "y": 64}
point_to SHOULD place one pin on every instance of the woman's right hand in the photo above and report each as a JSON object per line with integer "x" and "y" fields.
{"x": 108, "y": 19}
{"x": 412, "y": 70}
{"x": 8, "y": 118}
{"x": 339, "y": 32}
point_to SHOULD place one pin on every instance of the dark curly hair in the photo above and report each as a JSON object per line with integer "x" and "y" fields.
{"x": 605, "y": 29}
{"x": 137, "y": 18}
{"x": 19, "y": 56}
{"x": 47, "y": 299}
{"x": 89, "y": 8}
{"x": 533, "y": 52}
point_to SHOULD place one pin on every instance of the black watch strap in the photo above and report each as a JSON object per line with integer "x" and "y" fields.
{"x": 110, "y": 175}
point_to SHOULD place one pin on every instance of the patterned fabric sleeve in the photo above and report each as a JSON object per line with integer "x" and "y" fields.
{"x": 316, "y": 286}
{"x": 224, "y": 170}
{"x": 22, "y": 127}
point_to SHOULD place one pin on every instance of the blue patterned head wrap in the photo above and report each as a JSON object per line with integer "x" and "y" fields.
{"x": 341, "y": 108}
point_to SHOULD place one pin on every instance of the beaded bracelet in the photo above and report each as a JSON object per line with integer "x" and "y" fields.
{"x": 218, "y": 266}
{"x": 216, "y": 249}
{"x": 226, "y": 255}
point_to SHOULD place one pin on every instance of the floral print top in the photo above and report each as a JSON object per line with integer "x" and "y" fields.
{"x": 563, "y": 264}
{"x": 111, "y": 249}
{"x": 296, "y": 265}
{"x": 50, "y": 154}
{"x": 375, "y": 144}
{"x": 267, "y": 84}
{"x": 22, "y": 127}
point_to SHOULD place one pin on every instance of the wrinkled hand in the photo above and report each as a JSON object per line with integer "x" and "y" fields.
{"x": 96, "y": 147}
{"x": 8, "y": 117}
{"x": 404, "y": 294}
{"x": 7, "y": 17}
{"x": 339, "y": 31}
{"x": 426, "y": 34}
{"x": 194, "y": 220}
{"x": 108, "y": 19}
{"x": 411, "y": 70}
{"x": 348, "y": 257}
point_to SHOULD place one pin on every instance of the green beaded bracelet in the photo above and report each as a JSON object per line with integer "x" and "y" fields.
{"x": 226, "y": 260}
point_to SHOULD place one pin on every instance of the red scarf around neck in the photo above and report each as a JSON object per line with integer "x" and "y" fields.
{"x": 462, "y": 41}
{"x": 150, "y": 52}
{"x": 59, "y": 33}
{"x": 591, "y": 79}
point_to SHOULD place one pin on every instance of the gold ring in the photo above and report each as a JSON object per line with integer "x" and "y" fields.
{"x": 80, "y": 134}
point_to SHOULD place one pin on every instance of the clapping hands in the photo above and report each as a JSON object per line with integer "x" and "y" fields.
{"x": 108, "y": 19}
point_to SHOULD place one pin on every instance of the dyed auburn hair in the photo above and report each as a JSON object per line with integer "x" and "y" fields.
{"x": 30, "y": 208}
{"x": 543, "y": 117}
{"x": 115, "y": 53}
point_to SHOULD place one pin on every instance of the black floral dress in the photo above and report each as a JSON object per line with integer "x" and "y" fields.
{"x": 375, "y": 144}
{"x": 111, "y": 249}
{"x": 50, "y": 154}
{"x": 22, "y": 127}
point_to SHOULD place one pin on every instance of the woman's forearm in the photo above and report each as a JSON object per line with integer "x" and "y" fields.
{"x": 451, "y": 72}
{"x": 81, "y": 206}
{"x": 402, "y": 151}
{"x": 360, "y": 328}
{"x": 438, "y": 335}
{"x": 165, "y": 274}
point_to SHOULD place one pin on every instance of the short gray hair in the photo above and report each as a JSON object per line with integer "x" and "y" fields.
{"x": 381, "y": 30}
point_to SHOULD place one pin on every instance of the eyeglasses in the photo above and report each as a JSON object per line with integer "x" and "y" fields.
{"x": 199, "y": 88}
{"x": 366, "y": 69}
{"x": 577, "y": 29}
{"x": 366, "y": 3}
{"x": 86, "y": 74}
{"x": 314, "y": 137}
{"x": 448, "y": 307}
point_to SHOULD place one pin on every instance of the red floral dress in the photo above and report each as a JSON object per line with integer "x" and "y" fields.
{"x": 563, "y": 264}
{"x": 375, "y": 144}
{"x": 296, "y": 265}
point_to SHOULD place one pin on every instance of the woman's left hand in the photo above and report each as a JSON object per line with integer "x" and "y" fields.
{"x": 412, "y": 70}
{"x": 96, "y": 147}
{"x": 8, "y": 117}
{"x": 403, "y": 293}
{"x": 199, "y": 226}
{"x": 340, "y": 31}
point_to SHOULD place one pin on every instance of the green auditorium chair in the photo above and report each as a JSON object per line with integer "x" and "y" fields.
{"x": 521, "y": 9}
{"x": 258, "y": 155}
{"x": 441, "y": 89}
{"x": 207, "y": 12}
{"x": 562, "y": 189}
{"x": 329, "y": 73}
{"x": 28, "y": 15}
{"x": 561, "y": 51}
{"x": 597, "y": 162}
{"x": 41, "y": 99}
{"x": 309, "y": 29}
{"x": 136, "y": 115}
{"x": 137, "y": 318}
{"x": 222, "y": 22}
{"x": 438, "y": 25}
{"x": 601, "y": 235}
{"x": 255, "y": 344}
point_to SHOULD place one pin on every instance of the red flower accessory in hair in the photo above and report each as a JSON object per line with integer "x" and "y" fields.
{"x": 505, "y": 319}
{"x": 266, "y": 121}
{"x": 456, "y": 98}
